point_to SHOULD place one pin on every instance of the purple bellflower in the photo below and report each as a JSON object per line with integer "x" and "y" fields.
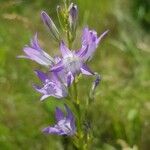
{"x": 71, "y": 63}
{"x": 52, "y": 86}
{"x": 65, "y": 124}
{"x": 35, "y": 53}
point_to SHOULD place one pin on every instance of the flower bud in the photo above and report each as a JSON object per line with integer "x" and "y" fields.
{"x": 73, "y": 16}
{"x": 96, "y": 82}
{"x": 50, "y": 25}
{"x": 94, "y": 85}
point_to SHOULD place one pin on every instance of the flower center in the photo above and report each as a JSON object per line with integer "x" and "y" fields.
{"x": 65, "y": 126}
{"x": 50, "y": 87}
{"x": 72, "y": 63}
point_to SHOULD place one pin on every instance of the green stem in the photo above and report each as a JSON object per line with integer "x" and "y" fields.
{"x": 80, "y": 133}
{"x": 75, "y": 92}
{"x": 66, "y": 2}
{"x": 74, "y": 96}
{"x": 69, "y": 40}
{"x": 75, "y": 101}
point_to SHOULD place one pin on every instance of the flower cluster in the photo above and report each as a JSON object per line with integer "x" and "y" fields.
{"x": 64, "y": 69}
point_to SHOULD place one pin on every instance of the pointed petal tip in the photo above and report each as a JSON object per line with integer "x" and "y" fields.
{"x": 86, "y": 27}
{"x": 64, "y": 49}
{"x": 67, "y": 109}
{"x": 43, "y": 98}
{"x": 62, "y": 43}
{"x": 36, "y": 35}
{"x": 41, "y": 75}
{"x": 45, "y": 17}
{"x": 37, "y": 72}
{"x": 59, "y": 115}
{"x": 57, "y": 109}
{"x": 102, "y": 35}
{"x": 86, "y": 70}
{"x": 43, "y": 13}
{"x": 27, "y": 48}
{"x": 69, "y": 114}
{"x": 106, "y": 31}
{"x": 45, "y": 130}
{"x": 21, "y": 56}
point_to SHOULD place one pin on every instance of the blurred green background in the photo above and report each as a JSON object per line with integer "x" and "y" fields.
{"x": 122, "y": 108}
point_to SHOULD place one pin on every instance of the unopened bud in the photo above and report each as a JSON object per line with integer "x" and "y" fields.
{"x": 94, "y": 85}
{"x": 73, "y": 16}
{"x": 96, "y": 82}
{"x": 58, "y": 8}
{"x": 50, "y": 25}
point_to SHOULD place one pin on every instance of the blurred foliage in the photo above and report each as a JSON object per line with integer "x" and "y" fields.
{"x": 121, "y": 110}
{"x": 141, "y": 12}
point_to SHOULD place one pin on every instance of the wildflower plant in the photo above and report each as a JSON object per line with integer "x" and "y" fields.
{"x": 64, "y": 72}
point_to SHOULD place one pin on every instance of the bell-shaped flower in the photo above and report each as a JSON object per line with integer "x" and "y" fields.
{"x": 65, "y": 123}
{"x": 51, "y": 86}
{"x": 71, "y": 63}
{"x": 35, "y": 53}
